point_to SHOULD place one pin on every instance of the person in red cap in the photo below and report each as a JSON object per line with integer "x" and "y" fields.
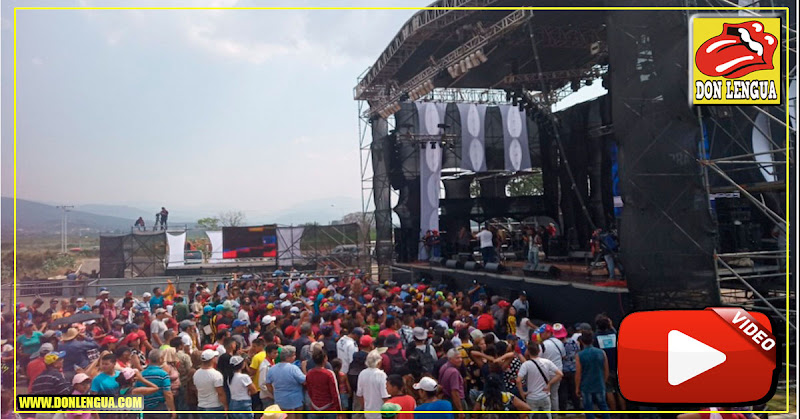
{"x": 109, "y": 343}
{"x": 553, "y": 349}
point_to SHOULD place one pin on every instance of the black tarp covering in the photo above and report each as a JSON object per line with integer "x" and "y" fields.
{"x": 667, "y": 232}
{"x": 133, "y": 255}
{"x": 112, "y": 256}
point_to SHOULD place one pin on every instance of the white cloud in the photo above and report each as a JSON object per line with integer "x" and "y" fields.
{"x": 207, "y": 39}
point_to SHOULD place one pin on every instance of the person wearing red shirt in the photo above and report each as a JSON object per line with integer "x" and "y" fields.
{"x": 323, "y": 390}
{"x": 391, "y": 325}
{"x": 394, "y": 355}
{"x": 37, "y": 365}
{"x": 486, "y": 321}
{"x": 394, "y": 385}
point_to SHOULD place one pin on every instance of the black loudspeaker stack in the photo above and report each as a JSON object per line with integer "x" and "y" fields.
{"x": 494, "y": 267}
{"x": 472, "y": 266}
{"x": 454, "y": 264}
{"x": 544, "y": 270}
{"x": 436, "y": 261}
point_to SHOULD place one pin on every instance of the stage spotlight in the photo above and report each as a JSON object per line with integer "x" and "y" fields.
{"x": 404, "y": 97}
{"x": 443, "y": 126}
{"x": 589, "y": 82}
{"x": 463, "y": 67}
{"x": 575, "y": 85}
{"x": 521, "y": 107}
{"x": 508, "y": 95}
{"x": 433, "y": 145}
{"x": 474, "y": 59}
{"x": 514, "y": 101}
{"x": 481, "y": 56}
{"x": 452, "y": 71}
{"x": 422, "y": 145}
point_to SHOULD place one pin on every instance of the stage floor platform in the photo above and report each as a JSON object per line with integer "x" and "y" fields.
{"x": 244, "y": 266}
{"x": 569, "y": 299}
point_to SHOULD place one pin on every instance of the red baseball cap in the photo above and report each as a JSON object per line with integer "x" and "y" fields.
{"x": 503, "y": 304}
{"x": 222, "y": 327}
{"x": 108, "y": 339}
{"x": 365, "y": 341}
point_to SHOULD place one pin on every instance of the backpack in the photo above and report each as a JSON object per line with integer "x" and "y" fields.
{"x": 397, "y": 364}
{"x": 420, "y": 361}
{"x": 356, "y": 366}
{"x": 494, "y": 414}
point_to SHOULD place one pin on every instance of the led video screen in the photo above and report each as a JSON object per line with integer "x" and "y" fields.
{"x": 249, "y": 242}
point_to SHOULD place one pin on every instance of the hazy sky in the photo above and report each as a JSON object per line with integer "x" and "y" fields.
{"x": 202, "y": 110}
{"x": 242, "y": 109}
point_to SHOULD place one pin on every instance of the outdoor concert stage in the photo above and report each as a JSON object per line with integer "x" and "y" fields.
{"x": 220, "y": 268}
{"x": 569, "y": 299}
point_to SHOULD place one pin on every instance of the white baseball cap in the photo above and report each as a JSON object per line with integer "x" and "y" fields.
{"x": 209, "y": 354}
{"x": 426, "y": 384}
{"x": 268, "y": 319}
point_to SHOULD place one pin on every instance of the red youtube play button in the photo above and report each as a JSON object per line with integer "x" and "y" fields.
{"x": 714, "y": 356}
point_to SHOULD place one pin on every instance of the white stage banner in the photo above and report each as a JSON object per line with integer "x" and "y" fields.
{"x": 289, "y": 245}
{"x": 215, "y": 238}
{"x": 176, "y": 243}
{"x": 473, "y": 136}
{"x": 430, "y": 169}
{"x": 515, "y": 139}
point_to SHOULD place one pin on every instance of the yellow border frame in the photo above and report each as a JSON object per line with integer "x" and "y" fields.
{"x": 785, "y": 10}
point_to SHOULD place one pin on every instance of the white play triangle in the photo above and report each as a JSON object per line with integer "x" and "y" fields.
{"x": 687, "y": 357}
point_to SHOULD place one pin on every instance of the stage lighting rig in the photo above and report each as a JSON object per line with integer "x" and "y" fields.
{"x": 456, "y": 62}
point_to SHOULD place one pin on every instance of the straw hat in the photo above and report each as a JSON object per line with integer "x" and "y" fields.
{"x": 71, "y": 334}
{"x": 273, "y": 412}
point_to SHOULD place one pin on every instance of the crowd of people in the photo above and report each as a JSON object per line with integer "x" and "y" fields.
{"x": 321, "y": 343}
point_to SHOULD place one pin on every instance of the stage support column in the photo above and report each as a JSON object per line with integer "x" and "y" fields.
{"x": 667, "y": 234}
{"x": 381, "y": 189}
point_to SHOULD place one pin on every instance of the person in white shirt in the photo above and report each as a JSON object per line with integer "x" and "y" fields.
{"x": 241, "y": 387}
{"x": 521, "y": 303}
{"x": 243, "y": 314}
{"x": 554, "y": 350}
{"x": 524, "y": 326}
{"x": 265, "y": 389}
{"x": 128, "y": 294}
{"x": 540, "y": 374}
{"x": 346, "y": 346}
{"x": 372, "y": 385}
{"x": 209, "y": 383}
{"x": 487, "y": 246}
{"x": 186, "y": 339}
{"x": 158, "y": 327}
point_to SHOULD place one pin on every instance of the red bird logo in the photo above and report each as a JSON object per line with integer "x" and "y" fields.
{"x": 740, "y": 49}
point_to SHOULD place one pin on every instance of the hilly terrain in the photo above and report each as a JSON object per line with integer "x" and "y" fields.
{"x": 34, "y": 218}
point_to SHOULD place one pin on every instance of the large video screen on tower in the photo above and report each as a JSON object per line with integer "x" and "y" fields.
{"x": 249, "y": 242}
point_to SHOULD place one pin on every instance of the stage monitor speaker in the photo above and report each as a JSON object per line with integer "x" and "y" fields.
{"x": 472, "y": 266}
{"x": 436, "y": 260}
{"x": 509, "y": 255}
{"x": 543, "y": 270}
{"x": 494, "y": 267}
{"x": 454, "y": 264}
{"x": 465, "y": 257}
